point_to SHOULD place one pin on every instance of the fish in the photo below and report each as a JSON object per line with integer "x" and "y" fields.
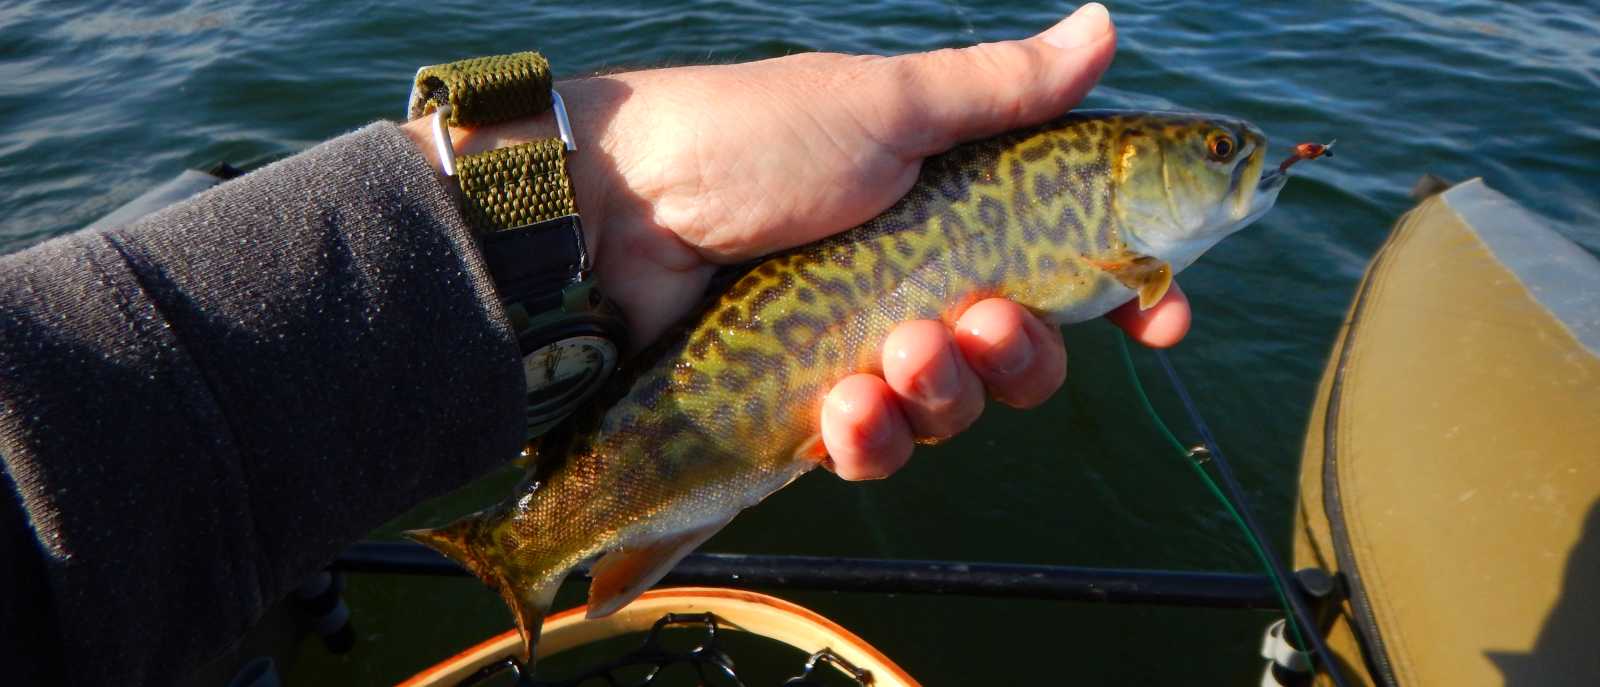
{"x": 1069, "y": 219}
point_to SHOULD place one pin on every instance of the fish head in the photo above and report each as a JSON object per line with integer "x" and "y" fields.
{"x": 1183, "y": 182}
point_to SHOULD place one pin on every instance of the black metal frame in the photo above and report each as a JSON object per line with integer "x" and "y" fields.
{"x": 995, "y": 580}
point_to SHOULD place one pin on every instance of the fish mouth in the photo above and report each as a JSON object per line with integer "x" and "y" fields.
{"x": 1254, "y": 192}
{"x": 1272, "y": 181}
{"x": 1255, "y": 188}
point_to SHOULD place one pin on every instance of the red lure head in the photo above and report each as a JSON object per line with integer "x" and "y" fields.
{"x": 1307, "y": 151}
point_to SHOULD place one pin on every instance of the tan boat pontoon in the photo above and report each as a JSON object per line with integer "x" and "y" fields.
{"x": 1452, "y": 465}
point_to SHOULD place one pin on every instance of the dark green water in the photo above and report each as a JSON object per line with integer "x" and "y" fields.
{"x": 101, "y": 101}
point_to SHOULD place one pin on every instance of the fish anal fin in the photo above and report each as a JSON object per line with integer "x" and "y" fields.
{"x": 1149, "y": 277}
{"x": 622, "y": 575}
{"x": 529, "y": 603}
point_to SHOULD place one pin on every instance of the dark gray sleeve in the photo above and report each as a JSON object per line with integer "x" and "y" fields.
{"x": 200, "y": 409}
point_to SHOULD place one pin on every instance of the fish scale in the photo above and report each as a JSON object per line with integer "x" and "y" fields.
{"x": 726, "y": 410}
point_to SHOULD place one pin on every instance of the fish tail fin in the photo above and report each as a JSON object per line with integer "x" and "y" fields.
{"x": 528, "y": 589}
{"x": 455, "y": 541}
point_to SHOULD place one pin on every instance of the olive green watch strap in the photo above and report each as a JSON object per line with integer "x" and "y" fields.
{"x": 484, "y": 90}
{"x": 504, "y": 188}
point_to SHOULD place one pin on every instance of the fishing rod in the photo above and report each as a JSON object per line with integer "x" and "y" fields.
{"x": 1301, "y": 622}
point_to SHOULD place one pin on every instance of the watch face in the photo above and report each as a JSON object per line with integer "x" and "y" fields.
{"x": 564, "y": 374}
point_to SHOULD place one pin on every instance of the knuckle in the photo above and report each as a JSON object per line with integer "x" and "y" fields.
{"x": 1008, "y": 68}
{"x": 849, "y": 73}
{"x": 940, "y": 62}
{"x": 1007, "y": 58}
{"x": 948, "y": 417}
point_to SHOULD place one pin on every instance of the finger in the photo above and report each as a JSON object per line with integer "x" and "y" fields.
{"x": 866, "y": 435}
{"x": 1019, "y": 358}
{"x": 959, "y": 95}
{"x": 938, "y": 391}
{"x": 1162, "y": 326}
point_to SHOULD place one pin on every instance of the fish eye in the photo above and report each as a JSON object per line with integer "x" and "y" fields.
{"x": 1220, "y": 146}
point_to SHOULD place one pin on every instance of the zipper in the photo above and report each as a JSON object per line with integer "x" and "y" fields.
{"x": 1366, "y": 624}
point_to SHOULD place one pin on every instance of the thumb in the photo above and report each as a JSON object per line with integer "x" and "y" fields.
{"x": 959, "y": 95}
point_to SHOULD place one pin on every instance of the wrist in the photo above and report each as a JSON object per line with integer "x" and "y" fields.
{"x": 590, "y": 168}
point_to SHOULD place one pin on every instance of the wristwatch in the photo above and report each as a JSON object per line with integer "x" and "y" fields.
{"x": 519, "y": 202}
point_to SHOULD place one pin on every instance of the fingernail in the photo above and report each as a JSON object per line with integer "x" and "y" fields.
{"x": 872, "y": 432}
{"x": 876, "y": 432}
{"x": 941, "y": 381}
{"x": 1086, "y": 24}
{"x": 1011, "y": 356}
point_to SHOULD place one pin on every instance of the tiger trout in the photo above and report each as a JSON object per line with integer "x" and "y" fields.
{"x": 1069, "y": 219}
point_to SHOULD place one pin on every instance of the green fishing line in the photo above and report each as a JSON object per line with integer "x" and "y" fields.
{"x": 1183, "y": 453}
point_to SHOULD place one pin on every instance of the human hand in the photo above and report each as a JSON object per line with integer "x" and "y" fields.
{"x": 927, "y": 391}
{"x": 682, "y": 170}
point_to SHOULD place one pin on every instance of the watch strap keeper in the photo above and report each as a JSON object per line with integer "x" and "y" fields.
{"x": 484, "y": 90}
{"x": 506, "y": 188}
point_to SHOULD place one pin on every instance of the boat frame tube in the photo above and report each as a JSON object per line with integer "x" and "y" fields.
{"x": 871, "y": 575}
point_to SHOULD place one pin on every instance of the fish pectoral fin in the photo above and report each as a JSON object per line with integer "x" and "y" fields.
{"x": 622, "y": 575}
{"x": 1150, "y": 277}
{"x": 812, "y": 451}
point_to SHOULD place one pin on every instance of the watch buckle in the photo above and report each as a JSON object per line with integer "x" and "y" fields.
{"x": 441, "y": 133}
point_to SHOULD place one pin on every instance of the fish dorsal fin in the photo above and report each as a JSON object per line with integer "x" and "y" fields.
{"x": 1150, "y": 277}
{"x": 624, "y": 574}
